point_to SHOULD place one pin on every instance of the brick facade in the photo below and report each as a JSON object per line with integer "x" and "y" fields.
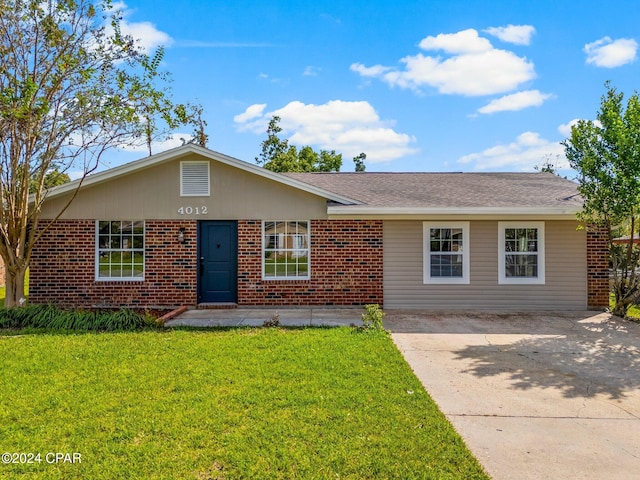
{"x": 598, "y": 287}
{"x": 346, "y": 266}
{"x": 62, "y": 268}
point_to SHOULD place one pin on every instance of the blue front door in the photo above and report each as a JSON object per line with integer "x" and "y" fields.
{"x": 218, "y": 261}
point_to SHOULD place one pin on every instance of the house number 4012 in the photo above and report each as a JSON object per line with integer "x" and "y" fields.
{"x": 193, "y": 210}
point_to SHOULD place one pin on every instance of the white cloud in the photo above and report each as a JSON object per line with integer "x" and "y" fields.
{"x": 146, "y": 35}
{"x": 254, "y": 111}
{"x": 473, "y": 68}
{"x": 610, "y": 53}
{"x": 516, "y": 101}
{"x": 346, "y": 127}
{"x": 523, "y": 154}
{"x": 466, "y": 41}
{"x": 374, "y": 71}
{"x": 517, "y": 34}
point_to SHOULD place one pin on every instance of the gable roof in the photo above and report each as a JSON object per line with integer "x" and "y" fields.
{"x": 185, "y": 150}
{"x": 449, "y": 193}
{"x": 369, "y": 193}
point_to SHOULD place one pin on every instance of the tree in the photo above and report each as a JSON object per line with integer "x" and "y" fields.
{"x": 548, "y": 166}
{"x": 158, "y": 114}
{"x": 606, "y": 155}
{"x": 359, "y": 162}
{"x": 278, "y": 156}
{"x": 53, "y": 178}
{"x": 70, "y": 89}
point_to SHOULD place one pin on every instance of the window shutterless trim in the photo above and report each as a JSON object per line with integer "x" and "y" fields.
{"x": 292, "y": 235}
{"x": 132, "y": 250}
{"x": 503, "y": 279}
{"x": 427, "y": 254}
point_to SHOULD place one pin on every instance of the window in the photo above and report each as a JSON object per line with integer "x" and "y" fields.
{"x": 194, "y": 179}
{"x": 285, "y": 247}
{"x": 446, "y": 252}
{"x": 521, "y": 252}
{"x": 119, "y": 250}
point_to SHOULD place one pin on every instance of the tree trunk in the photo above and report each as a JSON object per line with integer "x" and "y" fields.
{"x": 14, "y": 286}
{"x": 620, "y": 309}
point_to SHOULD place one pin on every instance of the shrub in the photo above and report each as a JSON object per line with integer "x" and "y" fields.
{"x": 48, "y": 316}
{"x": 372, "y": 319}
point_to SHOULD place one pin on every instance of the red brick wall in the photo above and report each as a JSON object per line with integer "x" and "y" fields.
{"x": 62, "y": 268}
{"x": 346, "y": 266}
{"x": 597, "y": 267}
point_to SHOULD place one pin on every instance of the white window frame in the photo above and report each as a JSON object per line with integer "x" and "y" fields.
{"x": 502, "y": 253}
{"x": 183, "y": 191}
{"x": 281, "y": 239}
{"x": 99, "y": 278}
{"x": 426, "y": 242}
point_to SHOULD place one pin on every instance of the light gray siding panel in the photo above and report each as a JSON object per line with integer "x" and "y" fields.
{"x": 154, "y": 193}
{"x": 565, "y": 281}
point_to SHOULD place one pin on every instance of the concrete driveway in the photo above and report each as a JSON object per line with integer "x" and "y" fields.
{"x": 535, "y": 396}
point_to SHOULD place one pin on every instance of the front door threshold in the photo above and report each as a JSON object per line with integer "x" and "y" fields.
{"x": 217, "y": 305}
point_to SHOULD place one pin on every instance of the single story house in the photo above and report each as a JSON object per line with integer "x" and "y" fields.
{"x": 194, "y": 227}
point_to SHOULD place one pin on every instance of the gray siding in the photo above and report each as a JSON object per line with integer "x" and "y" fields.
{"x": 565, "y": 279}
{"x": 154, "y": 193}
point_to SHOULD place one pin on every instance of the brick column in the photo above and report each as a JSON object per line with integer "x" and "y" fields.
{"x": 598, "y": 286}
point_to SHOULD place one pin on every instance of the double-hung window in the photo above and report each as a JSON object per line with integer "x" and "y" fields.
{"x": 285, "y": 250}
{"x": 521, "y": 253}
{"x": 446, "y": 252}
{"x": 119, "y": 250}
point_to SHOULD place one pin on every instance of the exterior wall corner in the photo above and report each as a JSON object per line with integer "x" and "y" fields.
{"x": 598, "y": 287}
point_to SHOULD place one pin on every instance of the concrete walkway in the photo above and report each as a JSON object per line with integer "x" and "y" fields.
{"x": 534, "y": 396}
{"x": 256, "y": 317}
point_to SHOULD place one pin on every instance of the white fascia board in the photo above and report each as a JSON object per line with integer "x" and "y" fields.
{"x": 184, "y": 150}
{"x": 488, "y": 212}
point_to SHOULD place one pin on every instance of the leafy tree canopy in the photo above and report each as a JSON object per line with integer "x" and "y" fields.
{"x": 72, "y": 86}
{"x": 278, "y": 156}
{"x": 606, "y": 155}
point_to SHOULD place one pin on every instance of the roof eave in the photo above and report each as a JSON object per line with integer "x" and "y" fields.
{"x": 484, "y": 212}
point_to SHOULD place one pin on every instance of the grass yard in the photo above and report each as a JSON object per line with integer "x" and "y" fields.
{"x": 244, "y": 403}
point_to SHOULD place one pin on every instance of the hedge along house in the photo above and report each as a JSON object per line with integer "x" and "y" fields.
{"x": 194, "y": 227}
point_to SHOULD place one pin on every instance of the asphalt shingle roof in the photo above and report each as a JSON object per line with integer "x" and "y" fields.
{"x": 449, "y": 190}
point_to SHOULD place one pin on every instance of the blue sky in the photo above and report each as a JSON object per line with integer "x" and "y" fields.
{"x": 416, "y": 85}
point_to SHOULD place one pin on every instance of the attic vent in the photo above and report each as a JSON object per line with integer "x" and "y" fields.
{"x": 194, "y": 179}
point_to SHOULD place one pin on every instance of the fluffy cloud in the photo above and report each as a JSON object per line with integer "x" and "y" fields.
{"x": 517, "y": 34}
{"x": 375, "y": 71}
{"x": 523, "y": 154}
{"x": 466, "y": 41}
{"x": 610, "y": 53}
{"x": 147, "y": 36}
{"x": 347, "y": 127}
{"x": 473, "y": 67}
{"x": 516, "y": 101}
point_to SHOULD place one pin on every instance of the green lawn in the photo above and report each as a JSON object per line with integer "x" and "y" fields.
{"x": 245, "y": 403}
